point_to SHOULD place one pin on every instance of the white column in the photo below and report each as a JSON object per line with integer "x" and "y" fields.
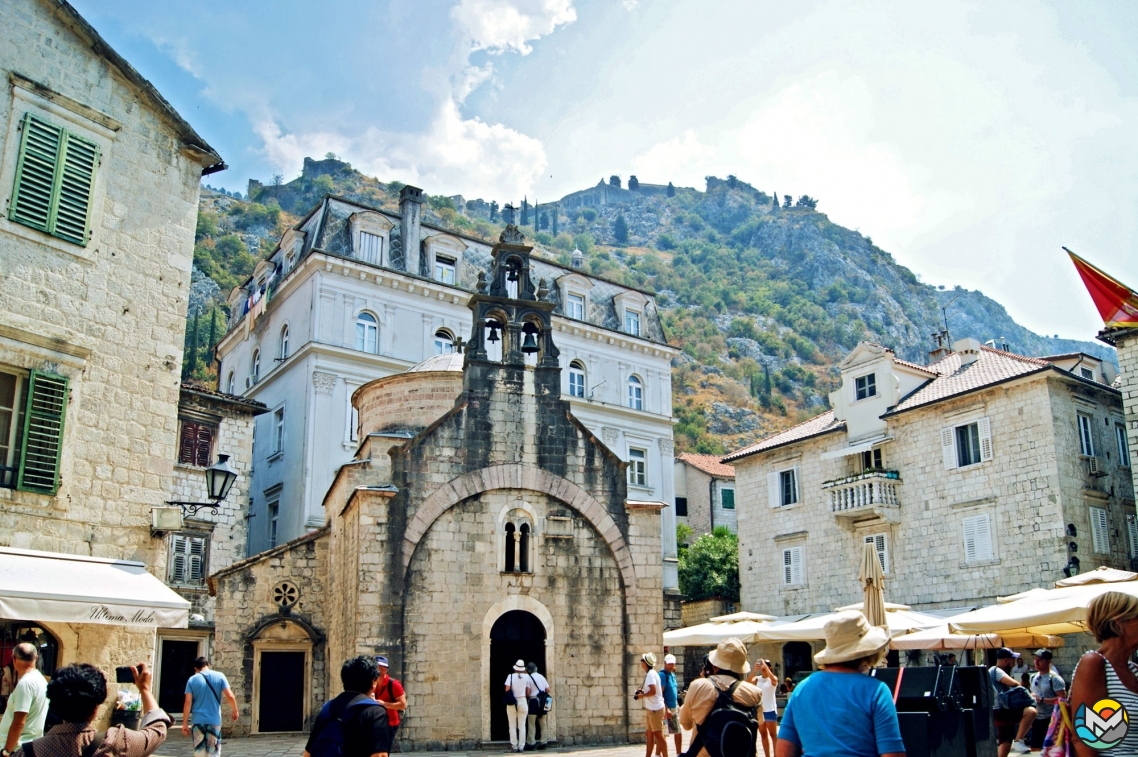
{"x": 668, "y": 514}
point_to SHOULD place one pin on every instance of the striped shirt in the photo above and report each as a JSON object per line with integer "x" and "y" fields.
{"x": 1116, "y": 690}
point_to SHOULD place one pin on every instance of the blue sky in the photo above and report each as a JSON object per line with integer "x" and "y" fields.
{"x": 970, "y": 140}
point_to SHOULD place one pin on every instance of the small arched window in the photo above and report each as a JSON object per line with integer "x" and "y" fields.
{"x": 511, "y": 546}
{"x": 576, "y": 379}
{"x": 523, "y": 548}
{"x": 284, "y": 343}
{"x": 255, "y": 366}
{"x": 635, "y": 393}
{"x": 444, "y": 342}
{"x": 231, "y": 383}
{"x": 517, "y": 543}
{"x": 367, "y": 333}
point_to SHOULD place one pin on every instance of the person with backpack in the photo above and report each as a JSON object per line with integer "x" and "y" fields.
{"x": 353, "y": 724}
{"x": 389, "y": 693}
{"x": 536, "y": 708}
{"x": 721, "y": 708}
{"x": 519, "y": 688}
{"x": 839, "y": 710}
{"x": 201, "y": 713}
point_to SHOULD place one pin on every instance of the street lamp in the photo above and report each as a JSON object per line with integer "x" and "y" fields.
{"x": 219, "y": 479}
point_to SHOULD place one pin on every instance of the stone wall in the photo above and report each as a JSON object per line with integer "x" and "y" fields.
{"x": 406, "y": 400}
{"x": 1126, "y": 340}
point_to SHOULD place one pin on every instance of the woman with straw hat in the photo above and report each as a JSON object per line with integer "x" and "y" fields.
{"x": 837, "y": 710}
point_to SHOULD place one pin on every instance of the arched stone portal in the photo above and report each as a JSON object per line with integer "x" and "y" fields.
{"x": 517, "y": 626}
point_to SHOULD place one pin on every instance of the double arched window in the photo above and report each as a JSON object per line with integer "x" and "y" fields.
{"x": 444, "y": 342}
{"x": 576, "y": 379}
{"x": 367, "y": 333}
{"x": 283, "y": 353}
{"x": 635, "y": 393}
{"x": 518, "y": 543}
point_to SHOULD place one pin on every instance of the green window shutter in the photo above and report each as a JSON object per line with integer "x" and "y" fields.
{"x": 43, "y": 433}
{"x": 33, "y": 197}
{"x": 728, "y": 498}
{"x": 77, "y": 182}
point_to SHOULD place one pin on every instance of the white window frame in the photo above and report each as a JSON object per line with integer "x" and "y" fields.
{"x": 978, "y": 528}
{"x": 1087, "y": 373}
{"x": 1085, "y": 425}
{"x": 278, "y": 430}
{"x": 794, "y": 566}
{"x": 1132, "y": 533}
{"x": 255, "y": 365}
{"x": 443, "y": 342}
{"x": 632, "y": 322}
{"x": 1123, "y": 445}
{"x": 371, "y": 248}
{"x": 577, "y": 383}
{"x": 637, "y": 467}
{"x": 446, "y": 270}
{"x": 11, "y": 460}
{"x": 183, "y": 573}
{"x": 575, "y": 306}
{"x": 273, "y": 510}
{"x": 1100, "y": 530}
{"x": 367, "y": 333}
{"x": 880, "y": 543}
{"x": 352, "y": 432}
{"x": 866, "y": 384}
{"x": 635, "y": 392}
{"x": 283, "y": 350}
{"x": 231, "y": 383}
{"x": 949, "y": 451}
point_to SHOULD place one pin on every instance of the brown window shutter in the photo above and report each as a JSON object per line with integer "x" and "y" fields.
{"x": 205, "y": 442}
{"x": 188, "y": 443}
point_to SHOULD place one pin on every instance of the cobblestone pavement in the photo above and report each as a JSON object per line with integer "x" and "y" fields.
{"x": 293, "y": 746}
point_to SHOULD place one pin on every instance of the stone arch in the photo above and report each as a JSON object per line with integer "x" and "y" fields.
{"x": 497, "y": 610}
{"x": 262, "y": 628}
{"x": 517, "y": 476}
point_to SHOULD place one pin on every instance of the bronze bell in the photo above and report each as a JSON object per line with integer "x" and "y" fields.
{"x": 493, "y": 326}
{"x": 513, "y": 275}
{"x": 529, "y": 344}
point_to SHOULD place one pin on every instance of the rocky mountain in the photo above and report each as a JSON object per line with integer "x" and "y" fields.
{"x": 764, "y": 294}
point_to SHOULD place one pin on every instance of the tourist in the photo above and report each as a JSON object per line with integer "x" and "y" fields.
{"x": 536, "y": 708}
{"x": 671, "y": 701}
{"x": 1112, "y": 618}
{"x": 1048, "y": 688}
{"x": 653, "y": 695}
{"x": 75, "y": 693}
{"x": 201, "y": 711}
{"x": 389, "y": 693}
{"x": 728, "y": 665}
{"x": 766, "y": 680}
{"x": 837, "y": 710}
{"x": 951, "y": 659}
{"x": 521, "y": 688}
{"x": 27, "y": 705}
{"x": 353, "y": 724}
{"x": 1013, "y": 718}
{"x": 786, "y": 688}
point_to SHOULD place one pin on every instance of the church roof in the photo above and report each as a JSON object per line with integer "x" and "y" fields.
{"x": 451, "y": 361}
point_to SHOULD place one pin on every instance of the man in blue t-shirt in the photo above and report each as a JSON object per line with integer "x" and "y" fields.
{"x": 201, "y": 713}
{"x": 671, "y": 700}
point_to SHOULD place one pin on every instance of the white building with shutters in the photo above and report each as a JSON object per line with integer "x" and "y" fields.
{"x": 982, "y": 474}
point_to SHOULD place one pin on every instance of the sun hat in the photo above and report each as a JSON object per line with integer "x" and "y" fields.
{"x": 520, "y": 666}
{"x": 1003, "y": 653}
{"x": 850, "y": 637}
{"x": 731, "y": 655}
{"x": 381, "y": 661}
{"x": 648, "y": 659}
{"x": 669, "y": 659}
{"x": 1044, "y": 654}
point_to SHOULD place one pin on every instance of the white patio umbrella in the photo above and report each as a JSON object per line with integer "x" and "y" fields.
{"x": 740, "y": 625}
{"x": 942, "y": 637}
{"x": 900, "y": 619}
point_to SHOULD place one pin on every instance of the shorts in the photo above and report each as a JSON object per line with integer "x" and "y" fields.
{"x": 771, "y": 717}
{"x": 1007, "y": 724}
{"x": 673, "y": 724}
{"x": 655, "y": 719}
{"x": 207, "y": 740}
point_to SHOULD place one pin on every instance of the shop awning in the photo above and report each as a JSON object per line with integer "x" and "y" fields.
{"x": 49, "y": 586}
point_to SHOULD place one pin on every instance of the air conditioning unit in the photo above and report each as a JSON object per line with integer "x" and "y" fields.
{"x": 164, "y": 519}
{"x": 1095, "y": 466}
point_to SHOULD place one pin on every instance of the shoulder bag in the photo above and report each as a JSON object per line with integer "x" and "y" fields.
{"x": 509, "y": 699}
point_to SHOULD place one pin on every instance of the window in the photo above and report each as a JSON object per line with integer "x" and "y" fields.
{"x": 635, "y": 393}
{"x": 274, "y": 516}
{"x": 575, "y": 307}
{"x": 866, "y": 386}
{"x": 727, "y": 499}
{"x": 878, "y": 542}
{"x": 371, "y": 248}
{"x": 444, "y": 342}
{"x": 792, "y": 573}
{"x": 637, "y": 467}
{"x": 10, "y": 427}
{"x": 871, "y": 459}
{"x": 283, "y": 354}
{"x": 444, "y": 270}
{"x": 681, "y": 507}
{"x": 278, "y": 430}
{"x": 632, "y": 322}
{"x": 576, "y": 379}
{"x": 255, "y": 366}
{"x": 187, "y": 559}
{"x": 367, "y": 333}
{"x": 784, "y": 488}
{"x": 55, "y": 178}
{"x": 1100, "y": 537}
{"x": 966, "y": 445}
{"x": 1123, "y": 447}
{"x": 231, "y": 384}
{"x": 353, "y": 421}
{"x": 1087, "y": 373}
{"x": 978, "y": 538}
{"x": 1132, "y": 533}
{"x": 32, "y": 411}
{"x": 517, "y": 543}
{"x": 196, "y": 443}
{"x": 1086, "y": 436}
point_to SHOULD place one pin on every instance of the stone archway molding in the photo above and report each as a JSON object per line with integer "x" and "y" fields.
{"x": 541, "y": 612}
{"x": 268, "y": 622}
{"x": 516, "y": 476}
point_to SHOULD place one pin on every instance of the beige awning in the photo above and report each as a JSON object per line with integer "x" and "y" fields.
{"x": 942, "y": 637}
{"x": 50, "y": 586}
{"x": 855, "y": 449}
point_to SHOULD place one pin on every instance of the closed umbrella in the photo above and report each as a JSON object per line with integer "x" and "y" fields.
{"x": 872, "y": 577}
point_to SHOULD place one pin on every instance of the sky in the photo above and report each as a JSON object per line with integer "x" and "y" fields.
{"x": 970, "y": 140}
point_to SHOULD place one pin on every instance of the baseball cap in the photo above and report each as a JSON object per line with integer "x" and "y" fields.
{"x": 1003, "y": 653}
{"x": 669, "y": 659}
{"x": 381, "y": 660}
{"x": 1043, "y": 654}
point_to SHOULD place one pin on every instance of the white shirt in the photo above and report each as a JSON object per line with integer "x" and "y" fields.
{"x": 519, "y": 683}
{"x": 770, "y": 704}
{"x": 30, "y": 696}
{"x": 539, "y": 679}
{"x": 653, "y": 702}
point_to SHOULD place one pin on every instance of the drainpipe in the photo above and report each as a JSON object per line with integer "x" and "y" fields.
{"x": 711, "y": 500}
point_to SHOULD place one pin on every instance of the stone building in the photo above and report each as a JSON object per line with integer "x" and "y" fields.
{"x": 982, "y": 474}
{"x": 210, "y": 538}
{"x": 99, "y": 179}
{"x": 705, "y": 493}
{"x": 479, "y": 521}
{"x": 345, "y": 298}
{"x": 1125, "y": 340}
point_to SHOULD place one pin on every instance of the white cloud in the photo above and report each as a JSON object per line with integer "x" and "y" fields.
{"x": 499, "y": 26}
{"x": 683, "y": 160}
{"x": 630, "y": 5}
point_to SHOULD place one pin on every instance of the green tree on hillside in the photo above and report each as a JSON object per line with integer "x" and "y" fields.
{"x": 633, "y": 183}
{"x": 614, "y": 180}
{"x": 709, "y": 568}
{"x": 620, "y": 230}
{"x": 671, "y": 190}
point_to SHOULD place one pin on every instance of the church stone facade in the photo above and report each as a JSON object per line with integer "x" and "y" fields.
{"x": 479, "y": 522}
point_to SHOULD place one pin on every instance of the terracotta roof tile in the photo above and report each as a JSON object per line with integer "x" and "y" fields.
{"x": 710, "y": 464}
{"x": 816, "y": 426}
{"x": 991, "y": 367}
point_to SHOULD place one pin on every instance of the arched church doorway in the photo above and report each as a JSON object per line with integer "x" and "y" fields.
{"x": 797, "y": 656}
{"x": 516, "y": 635}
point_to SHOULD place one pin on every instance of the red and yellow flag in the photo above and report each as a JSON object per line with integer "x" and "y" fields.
{"x": 1116, "y": 302}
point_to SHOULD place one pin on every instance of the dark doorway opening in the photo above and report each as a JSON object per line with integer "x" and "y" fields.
{"x": 797, "y": 656}
{"x": 517, "y": 635}
{"x": 282, "y": 692}
{"x": 176, "y": 667}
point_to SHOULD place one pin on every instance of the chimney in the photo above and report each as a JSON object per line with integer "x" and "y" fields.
{"x": 410, "y": 207}
{"x": 941, "y": 351}
{"x": 968, "y": 349}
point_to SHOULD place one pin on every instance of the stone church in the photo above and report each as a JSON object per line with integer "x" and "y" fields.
{"x": 478, "y": 522}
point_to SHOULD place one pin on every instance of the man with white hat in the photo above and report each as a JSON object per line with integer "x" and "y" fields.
{"x": 653, "y": 695}
{"x": 522, "y": 688}
{"x": 729, "y": 667}
{"x": 671, "y": 703}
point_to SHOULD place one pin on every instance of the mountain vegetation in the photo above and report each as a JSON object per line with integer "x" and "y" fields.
{"x": 763, "y": 296}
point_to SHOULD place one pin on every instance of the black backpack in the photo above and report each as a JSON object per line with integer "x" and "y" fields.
{"x": 730, "y": 729}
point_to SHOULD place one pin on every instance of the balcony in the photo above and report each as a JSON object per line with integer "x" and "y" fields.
{"x": 872, "y": 492}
